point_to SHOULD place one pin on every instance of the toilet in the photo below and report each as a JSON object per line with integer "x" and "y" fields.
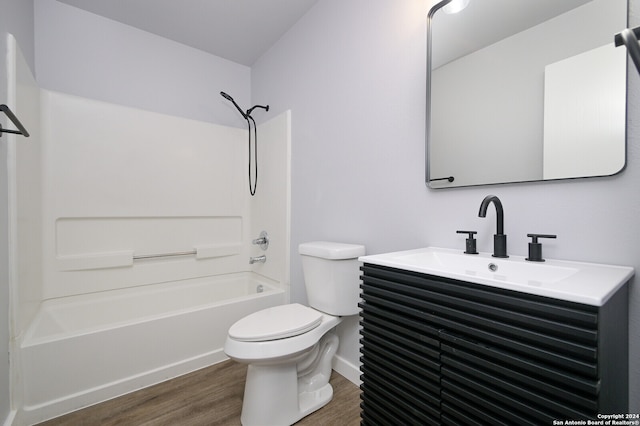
{"x": 289, "y": 348}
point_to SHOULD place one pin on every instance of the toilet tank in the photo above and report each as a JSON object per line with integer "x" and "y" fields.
{"x": 332, "y": 276}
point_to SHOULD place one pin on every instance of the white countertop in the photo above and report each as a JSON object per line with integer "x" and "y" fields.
{"x": 581, "y": 282}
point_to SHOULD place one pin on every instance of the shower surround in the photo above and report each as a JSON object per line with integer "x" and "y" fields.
{"x": 96, "y": 189}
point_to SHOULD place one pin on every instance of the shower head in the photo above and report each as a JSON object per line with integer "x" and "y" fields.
{"x": 229, "y": 98}
{"x": 247, "y": 114}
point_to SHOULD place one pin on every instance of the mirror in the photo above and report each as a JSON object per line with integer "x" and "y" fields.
{"x": 525, "y": 90}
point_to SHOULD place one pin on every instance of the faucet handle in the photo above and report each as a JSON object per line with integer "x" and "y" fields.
{"x": 535, "y": 248}
{"x": 262, "y": 241}
{"x": 471, "y": 242}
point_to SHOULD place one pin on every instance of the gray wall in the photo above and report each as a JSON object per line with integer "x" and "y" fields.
{"x": 86, "y": 55}
{"x": 353, "y": 74}
{"x": 16, "y": 18}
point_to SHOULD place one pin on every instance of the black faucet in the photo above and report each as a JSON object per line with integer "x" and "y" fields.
{"x": 499, "y": 238}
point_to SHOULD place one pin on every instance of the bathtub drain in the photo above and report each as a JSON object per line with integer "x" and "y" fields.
{"x": 259, "y": 288}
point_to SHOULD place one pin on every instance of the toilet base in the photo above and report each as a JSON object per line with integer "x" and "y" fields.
{"x": 312, "y": 401}
{"x": 270, "y": 397}
{"x": 278, "y": 395}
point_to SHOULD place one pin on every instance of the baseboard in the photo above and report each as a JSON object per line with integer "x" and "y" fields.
{"x": 347, "y": 370}
{"x": 10, "y": 418}
{"x": 36, "y": 414}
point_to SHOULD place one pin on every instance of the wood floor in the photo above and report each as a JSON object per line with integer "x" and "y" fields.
{"x": 211, "y": 396}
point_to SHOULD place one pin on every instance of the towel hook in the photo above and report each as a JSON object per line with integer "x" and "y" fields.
{"x": 21, "y": 130}
{"x": 629, "y": 37}
{"x": 449, "y": 178}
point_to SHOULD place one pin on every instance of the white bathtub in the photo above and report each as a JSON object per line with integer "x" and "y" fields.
{"x": 80, "y": 350}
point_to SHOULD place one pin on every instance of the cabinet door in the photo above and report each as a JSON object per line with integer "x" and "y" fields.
{"x": 489, "y": 384}
{"x": 400, "y": 363}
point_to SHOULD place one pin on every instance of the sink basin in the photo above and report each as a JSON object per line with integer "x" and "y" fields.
{"x": 579, "y": 282}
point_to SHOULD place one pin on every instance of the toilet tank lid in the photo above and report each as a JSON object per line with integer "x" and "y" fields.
{"x": 330, "y": 250}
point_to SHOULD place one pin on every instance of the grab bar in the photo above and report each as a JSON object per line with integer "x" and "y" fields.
{"x": 629, "y": 37}
{"x": 126, "y": 258}
{"x": 174, "y": 254}
{"x": 21, "y": 130}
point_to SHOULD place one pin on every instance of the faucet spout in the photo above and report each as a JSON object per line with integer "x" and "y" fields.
{"x": 499, "y": 212}
{"x": 499, "y": 238}
{"x": 257, "y": 259}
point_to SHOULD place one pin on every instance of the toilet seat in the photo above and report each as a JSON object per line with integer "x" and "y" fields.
{"x": 274, "y": 323}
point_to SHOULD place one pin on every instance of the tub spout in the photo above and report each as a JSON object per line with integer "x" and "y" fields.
{"x": 257, "y": 259}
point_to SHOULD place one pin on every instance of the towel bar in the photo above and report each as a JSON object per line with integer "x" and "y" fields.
{"x": 21, "y": 130}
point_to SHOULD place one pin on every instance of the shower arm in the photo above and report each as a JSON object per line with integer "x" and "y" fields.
{"x": 250, "y": 110}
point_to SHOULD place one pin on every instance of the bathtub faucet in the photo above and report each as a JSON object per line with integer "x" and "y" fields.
{"x": 262, "y": 241}
{"x": 257, "y": 259}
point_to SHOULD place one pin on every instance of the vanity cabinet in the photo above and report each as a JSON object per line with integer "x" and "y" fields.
{"x": 442, "y": 351}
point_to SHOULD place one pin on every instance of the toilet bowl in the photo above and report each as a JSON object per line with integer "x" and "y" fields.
{"x": 287, "y": 377}
{"x": 289, "y": 348}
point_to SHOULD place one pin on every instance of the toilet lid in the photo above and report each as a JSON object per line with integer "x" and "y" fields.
{"x": 274, "y": 323}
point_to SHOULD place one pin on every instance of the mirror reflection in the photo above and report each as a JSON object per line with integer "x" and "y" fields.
{"x": 525, "y": 90}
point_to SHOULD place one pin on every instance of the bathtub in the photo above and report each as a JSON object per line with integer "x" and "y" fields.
{"x": 84, "y": 349}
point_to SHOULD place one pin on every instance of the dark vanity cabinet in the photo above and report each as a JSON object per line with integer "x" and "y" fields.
{"x": 442, "y": 351}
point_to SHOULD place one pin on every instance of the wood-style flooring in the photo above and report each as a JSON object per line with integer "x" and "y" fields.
{"x": 210, "y": 396}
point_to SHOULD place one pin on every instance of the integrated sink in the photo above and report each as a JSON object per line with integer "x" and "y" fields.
{"x": 579, "y": 282}
{"x": 488, "y": 267}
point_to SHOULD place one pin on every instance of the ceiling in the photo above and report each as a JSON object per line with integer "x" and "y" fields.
{"x": 485, "y": 22}
{"x": 237, "y": 30}
{"x": 243, "y": 30}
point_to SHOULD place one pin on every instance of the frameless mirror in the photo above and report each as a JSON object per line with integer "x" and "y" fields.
{"x": 525, "y": 90}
